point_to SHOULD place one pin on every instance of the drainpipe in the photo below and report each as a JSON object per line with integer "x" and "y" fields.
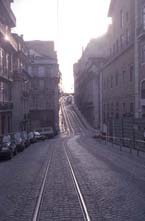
{"x": 101, "y": 100}
{"x": 136, "y": 61}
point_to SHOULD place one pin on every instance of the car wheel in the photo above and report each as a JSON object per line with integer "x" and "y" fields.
{"x": 10, "y": 155}
{"x": 15, "y": 152}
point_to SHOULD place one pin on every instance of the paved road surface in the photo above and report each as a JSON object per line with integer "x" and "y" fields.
{"x": 112, "y": 183}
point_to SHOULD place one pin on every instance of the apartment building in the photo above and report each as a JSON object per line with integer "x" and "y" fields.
{"x": 44, "y": 71}
{"x": 118, "y": 74}
{"x": 87, "y": 80}
{"x": 21, "y": 87}
{"x": 8, "y": 47}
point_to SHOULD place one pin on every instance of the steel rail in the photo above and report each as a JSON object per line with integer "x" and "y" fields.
{"x": 40, "y": 197}
{"x": 79, "y": 193}
{"x": 70, "y": 124}
{"x": 78, "y": 126}
{"x": 68, "y": 120}
{"x": 64, "y": 115}
{"x": 84, "y": 127}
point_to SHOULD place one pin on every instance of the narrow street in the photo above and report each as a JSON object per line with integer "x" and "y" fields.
{"x": 73, "y": 177}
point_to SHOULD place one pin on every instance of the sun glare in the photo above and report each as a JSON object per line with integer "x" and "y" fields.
{"x": 78, "y": 21}
{"x": 6, "y": 38}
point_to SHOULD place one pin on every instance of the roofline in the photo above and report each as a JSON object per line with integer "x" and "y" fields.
{"x": 111, "y": 7}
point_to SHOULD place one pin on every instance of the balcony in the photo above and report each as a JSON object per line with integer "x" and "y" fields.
{"x": 5, "y": 106}
{"x": 25, "y": 94}
{"x": 7, "y": 36}
{"x": 141, "y": 31}
{"x": 9, "y": 13}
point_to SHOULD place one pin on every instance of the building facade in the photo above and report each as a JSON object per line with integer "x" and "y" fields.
{"x": 140, "y": 57}
{"x": 44, "y": 71}
{"x": 118, "y": 74}
{"x": 8, "y": 47}
{"x": 87, "y": 81}
{"x": 21, "y": 87}
{"x": 121, "y": 80}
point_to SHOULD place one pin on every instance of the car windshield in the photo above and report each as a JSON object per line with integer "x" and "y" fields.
{"x": 24, "y": 134}
{"x": 36, "y": 133}
{"x": 30, "y": 134}
{"x": 17, "y": 135}
{"x": 6, "y": 139}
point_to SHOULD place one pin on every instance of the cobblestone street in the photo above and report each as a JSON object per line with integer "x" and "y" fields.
{"x": 111, "y": 182}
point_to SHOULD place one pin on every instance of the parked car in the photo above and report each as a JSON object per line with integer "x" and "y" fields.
{"x": 48, "y": 132}
{"x": 31, "y": 137}
{"x": 39, "y": 136}
{"x": 7, "y": 147}
{"x": 25, "y": 138}
{"x": 20, "y": 144}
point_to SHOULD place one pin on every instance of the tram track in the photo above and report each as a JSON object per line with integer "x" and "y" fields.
{"x": 40, "y": 204}
{"x": 75, "y": 181}
{"x": 77, "y": 126}
{"x": 78, "y": 190}
{"x": 42, "y": 188}
{"x": 81, "y": 208}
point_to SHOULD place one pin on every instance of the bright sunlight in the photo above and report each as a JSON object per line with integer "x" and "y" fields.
{"x": 70, "y": 23}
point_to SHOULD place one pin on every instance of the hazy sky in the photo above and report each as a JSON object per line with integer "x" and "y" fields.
{"x": 78, "y": 21}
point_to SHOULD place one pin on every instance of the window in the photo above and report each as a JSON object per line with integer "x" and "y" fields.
{"x": 34, "y": 69}
{"x": 116, "y": 79}
{"x": 127, "y": 16}
{"x": 123, "y": 75}
{"x": 131, "y": 72}
{"x": 121, "y": 19}
{"x": 1, "y": 91}
{"x": 143, "y": 53}
{"x": 143, "y": 17}
{"x": 114, "y": 49}
{"x": 127, "y": 36}
{"x": 104, "y": 113}
{"x": 107, "y": 82}
{"x": 108, "y": 110}
{"x": 131, "y": 107}
{"x": 117, "y": 46}
{"x": 112, "y": 109}
{"x": 117, "y": 110}
{"x": 143, "y": 90}
{"x": 1, "y": 58}
{"x": 41, "y": 70}
{"x": 104, "y": 107}
{"x": 124, "y": 107}
{"x": 122, "y": 41}
{"x": 41, "y": 84}
{"x": 111, "y": 81}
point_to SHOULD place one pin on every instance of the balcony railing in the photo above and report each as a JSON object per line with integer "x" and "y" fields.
{"x": 25, "y": 94}
{"x": 6, "y": 106}
{"x": 8, "y": 36}
{"x": 141, "y": 31}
